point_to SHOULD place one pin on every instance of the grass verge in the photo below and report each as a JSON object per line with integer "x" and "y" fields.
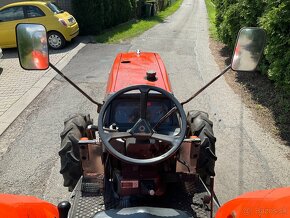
{"x": 135, "y": 27}
{"x": 211, "y": 15}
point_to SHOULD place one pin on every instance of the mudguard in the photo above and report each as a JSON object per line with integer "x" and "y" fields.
{"x": 274, "y": 203}
{"x": 19, "y": 206}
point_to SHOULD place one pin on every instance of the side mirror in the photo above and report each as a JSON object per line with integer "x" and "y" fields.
{"x": 32, "y": 46}
{"x": 249, "y": 48}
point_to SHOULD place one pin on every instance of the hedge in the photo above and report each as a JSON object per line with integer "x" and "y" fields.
{"x": 276, "y": 22}
{"x": 274, "y": 17}
{"x": 86, "y": 12}
{"x": 94, "y": 16}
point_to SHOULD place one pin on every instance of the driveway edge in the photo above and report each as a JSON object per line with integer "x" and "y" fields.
{"x": 16, "y": 109}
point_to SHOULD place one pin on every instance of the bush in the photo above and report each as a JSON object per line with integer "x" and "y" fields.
{"x": 108, "y": 10}
{"x": 230, "y": 25}
{"x": 251, "y": 11}
{"x": 123, "y": 11}
{"x": 233, "y": 15}
{"x": 134, "y": 8}
{"x": 95, "y": 15}
{"x": 90, "y": 15}
{"x": 276, "y": 22}
{"x": 221, "y": 7}
{"x": 274, "y": 17}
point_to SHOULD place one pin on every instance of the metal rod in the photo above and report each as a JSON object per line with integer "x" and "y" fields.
{"x": 162, "y": 119}
{"x": 207, "y": 85}
{"x": 74, "y": 85}
{"x": 211, "y": 195}
{"x": 215, "y": 200}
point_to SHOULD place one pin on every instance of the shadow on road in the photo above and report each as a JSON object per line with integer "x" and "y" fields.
{"x": 270, "y": 104}
{"x": 275, "y": 99}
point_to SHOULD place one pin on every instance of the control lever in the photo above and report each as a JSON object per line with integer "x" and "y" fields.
{"x": 91, "y": 129}
{"x": 63, "y": 209}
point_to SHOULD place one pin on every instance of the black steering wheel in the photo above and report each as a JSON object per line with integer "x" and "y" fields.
{"x": 142, "y": 128}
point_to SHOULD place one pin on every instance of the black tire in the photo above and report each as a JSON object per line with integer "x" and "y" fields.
{"x": 201, "y": 126}
{"x": 55, "y": 40}
{"x": 74, "y": 129}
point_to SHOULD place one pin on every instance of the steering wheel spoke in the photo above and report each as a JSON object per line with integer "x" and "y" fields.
{"x": 143, "y": 102}
{"x": 173, "y": 140}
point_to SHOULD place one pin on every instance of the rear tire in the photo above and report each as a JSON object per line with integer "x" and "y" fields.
{"x": 74, "y": 129}
{"x": 201, "y": 126}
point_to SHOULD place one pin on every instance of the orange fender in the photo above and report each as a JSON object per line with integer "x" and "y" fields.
{"x": 273, "y": 203}
{"x": 19, "y": 206}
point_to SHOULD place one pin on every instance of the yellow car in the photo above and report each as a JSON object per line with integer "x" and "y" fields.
{"x": 60, "y": 25}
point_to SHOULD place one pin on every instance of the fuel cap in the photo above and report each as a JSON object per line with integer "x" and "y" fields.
{"x": 151, "y": 75}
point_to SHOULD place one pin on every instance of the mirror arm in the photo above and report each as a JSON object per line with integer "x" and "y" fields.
{"x": 207, "y": 85}
{"x": 74, "y": 85}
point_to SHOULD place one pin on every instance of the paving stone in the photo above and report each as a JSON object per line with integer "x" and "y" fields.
{"x": 15, "y": 81}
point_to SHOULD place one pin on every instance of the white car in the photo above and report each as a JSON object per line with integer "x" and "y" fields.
{"x": 1, "y": 54}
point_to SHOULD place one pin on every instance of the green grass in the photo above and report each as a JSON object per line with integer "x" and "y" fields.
{"x": 211, "y": 15}
{"x": 135, "y": 27}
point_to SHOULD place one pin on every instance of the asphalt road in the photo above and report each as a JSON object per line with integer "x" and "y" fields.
{"x": 248, "y": 158}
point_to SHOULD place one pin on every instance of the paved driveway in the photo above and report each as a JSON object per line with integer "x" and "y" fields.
{"x": 19, "y": 87}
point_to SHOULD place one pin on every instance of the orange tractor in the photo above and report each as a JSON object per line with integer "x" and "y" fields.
{"x": 145, "y": 157}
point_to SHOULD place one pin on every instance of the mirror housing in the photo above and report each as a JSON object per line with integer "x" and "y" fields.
{"x": 32, "y": 46}
{"x": 249, "y": 49}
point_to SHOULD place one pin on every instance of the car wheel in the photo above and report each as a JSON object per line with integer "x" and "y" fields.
{"x": 74, "y": 129}
{"x": 55, "y": 40}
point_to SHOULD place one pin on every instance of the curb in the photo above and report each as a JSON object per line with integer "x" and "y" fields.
{"x": 16, "y": 109}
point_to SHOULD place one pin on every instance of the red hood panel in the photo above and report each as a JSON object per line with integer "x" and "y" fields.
{"x": 130, "y": 69}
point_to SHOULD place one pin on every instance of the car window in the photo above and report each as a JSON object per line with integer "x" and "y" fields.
{"x": 54, "y": 8}
{"x": 13, "y": 13}
{"x": 33, "y": 11}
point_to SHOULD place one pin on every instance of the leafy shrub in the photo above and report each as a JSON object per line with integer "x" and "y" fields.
{"x": 90, "y": 15}
{"x": 251, "y": 11}
{"x": 95, "y": 15}
{"x": 276, "y": 22}
{"x": 221, "y": 7}
{"x": 123, "y": 10}
{"x": 108, "y": 10}
{"x": 230, "y": 25}
{"x": 134, "y": 8}
{"x": 233, "y": 15}
{"x": 274, "y": 17}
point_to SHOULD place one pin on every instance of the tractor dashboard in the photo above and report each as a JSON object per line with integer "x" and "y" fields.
{"x": 125, "y": 112}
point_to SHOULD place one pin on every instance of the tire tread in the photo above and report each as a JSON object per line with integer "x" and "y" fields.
{"x": 74, "y": 129}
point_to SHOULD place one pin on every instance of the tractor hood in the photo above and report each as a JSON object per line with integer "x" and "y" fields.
{"x": 137, "y": 68}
